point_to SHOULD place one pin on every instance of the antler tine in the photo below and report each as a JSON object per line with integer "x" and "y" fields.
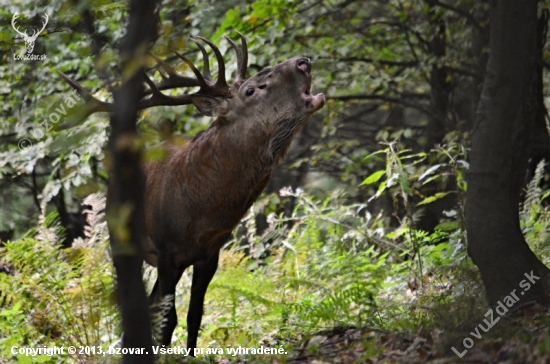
{"x": 15, "y": 16}
{"x": 221, "y": 65}
{"x": 206, "y": 72}
{"x": 151, "y": 84}
{"x": 242, "y": 57}
{"x": 242, "y": 61}
{"x": 158, "y": 98}
{"x": 202, "y": 82}
{"x": 96, "y": 105}
{"x": 45, "y": 23}
{"x": 239, "y": 57}
{"x": 174, "y": 79}
{"x": 165, "y": 66}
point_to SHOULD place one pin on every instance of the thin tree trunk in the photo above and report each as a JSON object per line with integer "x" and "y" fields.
{"x": 501, "y": 141}
{"x": 125, "y": 205}
{"x": 439, "y": 84}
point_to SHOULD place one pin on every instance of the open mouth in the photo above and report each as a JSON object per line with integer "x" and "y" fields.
{"x": 313, "y": 102}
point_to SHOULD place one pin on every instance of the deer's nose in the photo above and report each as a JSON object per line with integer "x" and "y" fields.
{"x": 304, "y": 64}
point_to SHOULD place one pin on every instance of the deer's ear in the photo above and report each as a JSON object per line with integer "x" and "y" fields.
{"x": 209, "y": 105}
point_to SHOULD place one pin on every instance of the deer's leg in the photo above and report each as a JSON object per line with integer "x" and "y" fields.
{"x": 168, "y": 276}
{"x": 202, "y": 275}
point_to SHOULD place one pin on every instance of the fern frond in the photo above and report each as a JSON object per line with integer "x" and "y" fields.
{"x": 96, "y": 213}
{"x": 7, "y": 297}
{"x": 338, "y": 305}
{"x": 247, "y": 293}
{"x": 159, "y": 316}
{"x": 48, "y": 228}
{"x": 534, "y": 192}
{"x": 95, "y": 231}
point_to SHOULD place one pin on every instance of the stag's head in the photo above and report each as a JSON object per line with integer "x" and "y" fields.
{"x": 279, "y": 93}
{"x": 276, "y": 101}
{"x": 29, "y": 39}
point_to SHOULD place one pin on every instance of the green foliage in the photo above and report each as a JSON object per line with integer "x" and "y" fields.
{"x": 329, "y": 264}
{"x": 58, "y": 297}
{"x": 405, "y": 179}
{"x": 315, "y": 274}
{"x": 535, "y": 215}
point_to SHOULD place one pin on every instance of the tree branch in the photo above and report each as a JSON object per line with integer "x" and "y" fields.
{"x": 382, "y": 98}
{"x": 462, "y": 12}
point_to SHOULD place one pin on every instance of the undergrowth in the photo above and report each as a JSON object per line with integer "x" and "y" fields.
{"x": 57, "y": 297}
{"x": 330, "y": 264}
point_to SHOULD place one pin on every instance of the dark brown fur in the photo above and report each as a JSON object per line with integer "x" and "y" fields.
{"x": 198, "y": 193}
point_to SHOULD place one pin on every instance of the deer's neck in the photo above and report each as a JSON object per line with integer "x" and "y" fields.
{"x": 222, "y": 170}
{"x": 233, "y": 151}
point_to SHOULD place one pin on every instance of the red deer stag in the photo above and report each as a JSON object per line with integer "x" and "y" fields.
{"x": 198, "y": 193}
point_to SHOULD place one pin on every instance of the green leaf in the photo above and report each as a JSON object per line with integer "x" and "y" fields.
{"x": 433, "y": 198}
{"x": 405, "y": 184}
{"x": 24, "y": 359}
{"x": 375, "y": 177}
{"x": 14, "y": 311}
{"x": 429, "y": 171}
{"x": 440, "y": 247}
{"x": 5, "y": 36}
{"x": 381, "y": 189}
{"x": 368, "y": 157}
{"x": 447, "y": 226}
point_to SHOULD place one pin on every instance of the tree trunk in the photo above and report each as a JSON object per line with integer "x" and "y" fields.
{"x": 440, "y": 86}
{"x": 501, "y": 141}
{"x": 540, "y": 148}
{"x": 125, "y": 214}
{"x": 467, "y": 94}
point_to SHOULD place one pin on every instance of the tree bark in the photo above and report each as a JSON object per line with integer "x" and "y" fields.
{"x": 125, "y": 215}
{"x": 467, "y": 95}
{"x": 439, "y": 84}
{"x": 501, "y": 140}
{"x": 540, "y": 148}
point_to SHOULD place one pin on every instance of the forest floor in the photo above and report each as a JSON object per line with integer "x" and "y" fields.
{"x": 521, "y": 338}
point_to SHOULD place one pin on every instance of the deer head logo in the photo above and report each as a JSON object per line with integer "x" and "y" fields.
{"x": 29, "y": 39}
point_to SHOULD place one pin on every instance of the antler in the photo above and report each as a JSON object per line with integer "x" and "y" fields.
{"x": 37, "y": 33}
{"x": 173, "y": 80}
{"x": 242, "y": 57}
{"x": 15, "y": 16}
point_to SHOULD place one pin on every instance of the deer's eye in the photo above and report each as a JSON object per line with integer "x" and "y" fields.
{"x": 249, "y": 92}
